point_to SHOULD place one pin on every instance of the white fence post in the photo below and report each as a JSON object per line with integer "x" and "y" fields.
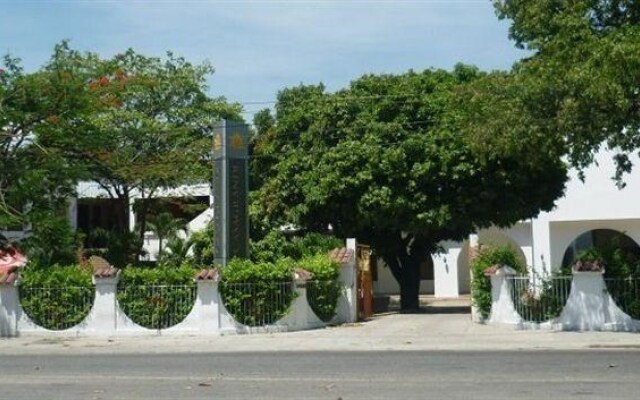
{"x": 503, "y": 310}
{"x": 205, "y": 314}
{"x": 103, "y": 317}
{"x": 301, "y": 316}
{"x": 347, "y": 309}
{"x": 590, "y": 306}
{"x": 10, "y": 310}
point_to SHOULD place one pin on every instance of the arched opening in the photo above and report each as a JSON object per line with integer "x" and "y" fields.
{"x": 488, "y": 237}
{"x": 611, "y": 245}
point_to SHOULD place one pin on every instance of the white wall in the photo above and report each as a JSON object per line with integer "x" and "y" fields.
{"x": 598, "y": 198}
{"x": 564, "y": 232}
{"x": 386, "y": 283}
{"x": 595, "y": 203}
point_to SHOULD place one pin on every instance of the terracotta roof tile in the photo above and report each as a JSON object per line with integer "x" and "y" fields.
{"x": 211, "y": 274}
{"x": 102, "y": 268}
{"x": 489, "y": 271}
{"x": 9, "y": 258}
{"x": 301, "y": 273}
{"x": 341, "y": 255}
{"x": 8, "y": 278}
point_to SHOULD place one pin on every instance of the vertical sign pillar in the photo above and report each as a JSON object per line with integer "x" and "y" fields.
{"x": 230, "y": 191}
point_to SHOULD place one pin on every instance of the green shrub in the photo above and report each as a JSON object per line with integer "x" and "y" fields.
{"x": 276, "y": 245}
{"x": 257, "y": 293}
{"x": 201, "y": 243}
{"x": 323, "y": 290}
{"x": 52, "y": 241}
{"x": 56, "y": 297}
{"x": 157, "y": 298}
{"x": 481, "y": 284}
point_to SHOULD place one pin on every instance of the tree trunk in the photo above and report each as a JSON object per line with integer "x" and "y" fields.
{"x": 404, "y": 263}
{"x": 123, "y": 224}
{"x": 410, "y": 286}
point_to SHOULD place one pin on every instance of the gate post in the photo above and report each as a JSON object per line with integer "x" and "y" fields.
{"x": 10, "y": 310}
{"x": 365, "y": 283}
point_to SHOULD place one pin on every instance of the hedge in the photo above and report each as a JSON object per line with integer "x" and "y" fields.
{"x": 56, "y": 297}
{"x": 324, "y": 289}
{"x": 157, "y": 298}
{"x": 257, "y": 293}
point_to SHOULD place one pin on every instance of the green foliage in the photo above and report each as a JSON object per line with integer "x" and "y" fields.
{"x": 202, "y": 246}
{"x": 156, "y": 130}
{"x": 157, "y": 298}
{"x": 394, "y": 160}
{"x": 122, "y": 248}
{"x": 175, "y": 252}
{"x": 52, "y": 241}
{"x": 165, "y": 226}
{"x": 35, "y": 110}
{"x": 129, "y": 123}
{"x": 56, "y": 297}
{"x": 276, "y": 245}
{"x": 579, "y": 82}
{"x": 257, "y": 293}
{"x": 324, "y": 289}
{"x": 481, "y": 284}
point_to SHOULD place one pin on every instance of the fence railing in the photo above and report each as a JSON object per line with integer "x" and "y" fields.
{"x": 56, "y": 308}
{"x": 157, "y": 306}
{"x": 540, "y": 299}
{"x": 257, "y": 303}
{"x": 625, "y": 292}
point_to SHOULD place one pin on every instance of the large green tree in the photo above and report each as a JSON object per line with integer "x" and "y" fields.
{"x": 395, "y": 160}
{"x": 155, "y": 132}
{"x": 36, "y": 180}
{"x": 581, "y": 80}
{"x": 132, "y": 124}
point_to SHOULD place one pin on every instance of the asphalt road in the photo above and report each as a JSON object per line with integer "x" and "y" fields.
{"x": 602, "y": 374}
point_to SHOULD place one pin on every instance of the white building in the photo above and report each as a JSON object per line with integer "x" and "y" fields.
{"x": 587, "y": 214}
{"x": 93, "y": 208}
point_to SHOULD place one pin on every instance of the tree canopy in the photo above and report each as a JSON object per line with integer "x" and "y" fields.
{"x": 395, "y": 161}
{"x": 582, "y": 80}
{"x": 130, "y": 123}
{"x": 155, "y": 132}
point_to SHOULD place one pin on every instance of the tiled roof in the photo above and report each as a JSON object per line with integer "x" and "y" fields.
{"x": 491, "y": 270}
{"x": 207, "y": 275}
{"x": 9, "y": 276}
{"x": 303, "y": 274}
{"x": 341, "y": 255}
{"x": 102, "y": 268}
{"x": 10, "y": 258}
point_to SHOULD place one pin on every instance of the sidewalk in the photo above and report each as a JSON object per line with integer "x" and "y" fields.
{"x": 410, "y": 332}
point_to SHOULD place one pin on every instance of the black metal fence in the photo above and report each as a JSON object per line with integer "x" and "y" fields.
{"x": 540, "y": 299}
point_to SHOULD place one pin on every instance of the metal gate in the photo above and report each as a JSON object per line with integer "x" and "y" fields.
{"x": 365, "y": 282}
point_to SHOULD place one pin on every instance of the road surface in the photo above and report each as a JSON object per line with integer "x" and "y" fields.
{"x": 541, "y": 374}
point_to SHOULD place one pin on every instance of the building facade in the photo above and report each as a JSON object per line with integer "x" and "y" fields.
{"x": 591, "y": 213}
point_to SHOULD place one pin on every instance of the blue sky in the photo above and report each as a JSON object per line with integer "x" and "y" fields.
{"x": 260, "y": 47}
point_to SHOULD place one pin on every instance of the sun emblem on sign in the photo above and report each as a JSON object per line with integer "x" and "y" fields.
{"x": 217, "y": 142}
{"x": 236, "y": 142}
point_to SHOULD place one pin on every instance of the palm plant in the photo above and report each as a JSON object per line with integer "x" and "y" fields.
{"x": 165, "y": 226}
